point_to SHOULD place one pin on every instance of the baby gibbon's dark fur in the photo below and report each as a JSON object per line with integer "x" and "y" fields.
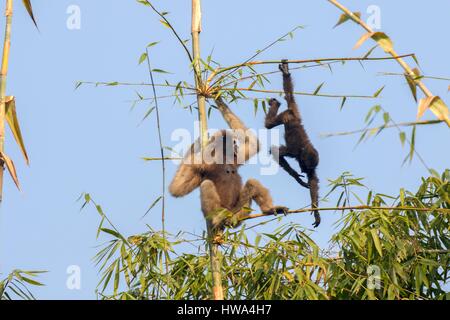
{"x": 220, "y": 184}
{"x": 298, "y": 145}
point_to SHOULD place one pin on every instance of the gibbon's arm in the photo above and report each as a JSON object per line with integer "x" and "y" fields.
{"x": 249, "y": 143}
{"x": 273, "y": 119}
{"x": 189, "y": 174}
{"x": 288, "y": 87}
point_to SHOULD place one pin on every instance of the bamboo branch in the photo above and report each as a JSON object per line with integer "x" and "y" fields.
{"x": 3, "y": 78}
{"x": 256, "y": 54}
{"x": 402, "y": 124}
{"x": 421, "y": 76}
{"x": 253, "y": 63}
{"x": 162, "y": 16}
{"x": 300, "y": 93}
{"x": 390, "y": 50}
{"x": 135, "y": 84}
{"x": 163, "y": 165}
{"x": 440, "y": 210}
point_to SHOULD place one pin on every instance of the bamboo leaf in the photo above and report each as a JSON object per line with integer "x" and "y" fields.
{"x": 412, "y": 86}
{"x": 13, "y": 122}
{"x": 376, "y": 241}
{"x": 370, "y": 51}
{"x": 363, "y": 39}
{"x": 11, "y": 168}
{"x": 345, "y": 17}
{"x": 152, "y": 44}
{"x": 318, "y": 88}
{"x": 440, "y": 109}
{"x": 27, "y": 4}
{"x": 383, "y": 41}
{"x": 153, "y": 205}
{"x": 376, "y": 94}
{"x": 424, "y": 105}
{"x": 143, "y": 58}
{"x": 344, "y": 99}
{"x": 402, "y": 138}
{"x": 165, "y": 24}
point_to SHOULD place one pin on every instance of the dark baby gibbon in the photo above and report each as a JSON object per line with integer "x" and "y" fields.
{"x": 298, "y": 145}
{"x": 215, "y": 171}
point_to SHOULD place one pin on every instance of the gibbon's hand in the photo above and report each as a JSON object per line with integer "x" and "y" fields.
{"x": 277, "y": 210}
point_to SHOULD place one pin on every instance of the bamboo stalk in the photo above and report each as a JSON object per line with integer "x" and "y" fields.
{"x": 217, "y": 290}
{"x": 408, "y": 70}
{"x": 3, "y": 76}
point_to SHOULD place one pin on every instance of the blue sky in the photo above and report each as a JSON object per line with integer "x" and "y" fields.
{"x": 89, "y": 141}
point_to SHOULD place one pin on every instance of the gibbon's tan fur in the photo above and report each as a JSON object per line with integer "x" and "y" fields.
{"x": 215, "y": 171}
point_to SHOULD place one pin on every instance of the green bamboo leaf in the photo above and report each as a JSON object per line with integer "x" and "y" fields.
{"x": 344, "y": 99}
{"x": 153, "y": 205}
{"x": 412, "y": 86}
{"x": 383, "y": 41}
{"x": 165, "y": 24}
{"x": 386, "y": 117}
{"x": 402, "y": 138}
{"x": 143, "y": 58}
{"x": 27, "y": 4}
{"x": 116, "y": 277}
{"x": 345, "y": 17}
{"x": 376, "y": 94}
{"x": 114, "y": 234}
{"x": 13, "y": 122}
{"x": 152, "y": 44}
{"x": 318, "y": 88}
{"x": 31, "y": 281}
{"x": 370, "y": 51}
{"x": 148, "y": 113}
{"x": 376, "y": 241}
{"x": 160, "y": 71}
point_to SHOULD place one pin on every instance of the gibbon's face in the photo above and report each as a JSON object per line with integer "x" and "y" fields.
{"x": 229, "y": 146}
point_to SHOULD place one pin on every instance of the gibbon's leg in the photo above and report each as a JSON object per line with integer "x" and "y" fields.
{"x": 254, "y": 190}
{"x": 210, "y": 202}
{"x": 279, "y": 154}
{"x": 273, "y": 119}
{"x": 313, "y": 181}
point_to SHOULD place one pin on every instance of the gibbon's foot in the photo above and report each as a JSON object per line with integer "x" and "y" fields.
{"x": 284, "y": 67}
{"x": 277, "y": 210}
{"x": 218, "y": 238}
{"x": 274, "y": 102}
{"x": 317, "y": 219}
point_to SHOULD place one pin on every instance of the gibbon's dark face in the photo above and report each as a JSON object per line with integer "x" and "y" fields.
{"x": 230, "y": 147}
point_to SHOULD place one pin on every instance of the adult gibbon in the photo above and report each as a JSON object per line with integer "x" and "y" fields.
{"x": 298, "y": 145}
{"x": 215, "y": 171}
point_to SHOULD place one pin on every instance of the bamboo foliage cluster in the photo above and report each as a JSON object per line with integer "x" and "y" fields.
{"x": 413, "y": 76}
{"x": 8, "y": 111}
{"x": 287, "y": 263}
{"x": 17, "y": 285}
{"x": 410, "y": 247}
